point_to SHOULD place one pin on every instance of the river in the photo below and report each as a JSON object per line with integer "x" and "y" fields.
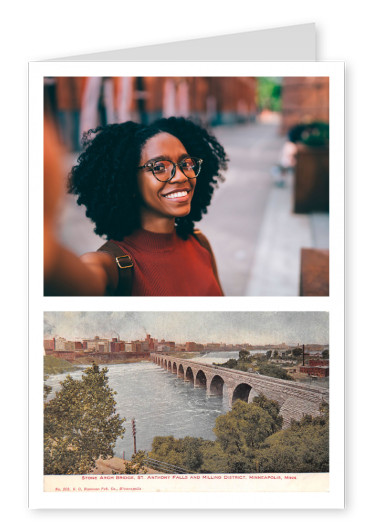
{"x": 161, "y": 404}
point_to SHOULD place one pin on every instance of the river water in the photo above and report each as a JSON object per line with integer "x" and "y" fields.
{"x": 161, "y": 404}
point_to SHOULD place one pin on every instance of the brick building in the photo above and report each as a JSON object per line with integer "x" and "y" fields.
{"x": 117, "y": 346}
{"x": 304, "y": 100}
{"x": 191, "y": 346}
{"x": 97, "y": 344}
{"x": 215, "y": 100}
{"x": 49, "y": 344}
{"x": 316, "y": 367}
{"x": 60, "y": 343}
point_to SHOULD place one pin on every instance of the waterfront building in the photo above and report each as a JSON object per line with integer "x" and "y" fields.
{"x": 316, "y": 367}
{"x": 60, "y": 343}
{"x": 49, "y": 344}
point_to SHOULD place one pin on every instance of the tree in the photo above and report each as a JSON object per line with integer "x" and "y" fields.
{"x": 244, "y": 354}
{"x": 297, "y": 351}
{"x": 269, "y": 91}
{"x": 240, "y": 432}
{"x": 81, "y": 424}
{"x": 185, "y": 453}
{"x": 274, "y": 372}
{"x": 136, "y": 465}
{"x": 232, "y": 363}
{"x": 325, "y": 354}
{"x": 46, "y": 389}
{"x": 214, "y": 458}
{"x": 272, "y": 407}
{"x": 303, "y": 447}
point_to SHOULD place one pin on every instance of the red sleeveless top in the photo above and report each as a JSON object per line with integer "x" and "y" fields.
{"x": 166, "y": 265}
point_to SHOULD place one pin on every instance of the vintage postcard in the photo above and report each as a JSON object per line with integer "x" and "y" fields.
{"x": 210, "y": 400}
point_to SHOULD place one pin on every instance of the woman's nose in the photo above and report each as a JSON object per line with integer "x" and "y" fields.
{"x": 178, "y": 175}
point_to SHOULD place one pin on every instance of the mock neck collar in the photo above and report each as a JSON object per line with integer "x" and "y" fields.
{"x": 153, "y": 241}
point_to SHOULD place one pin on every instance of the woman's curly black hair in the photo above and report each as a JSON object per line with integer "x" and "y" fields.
{"x": 105, "y": 177}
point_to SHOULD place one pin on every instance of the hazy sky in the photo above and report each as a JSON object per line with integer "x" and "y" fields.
{"x": 204, "y": 327}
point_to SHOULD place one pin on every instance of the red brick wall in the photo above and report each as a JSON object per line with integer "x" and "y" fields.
{"x": 304, "y": 99}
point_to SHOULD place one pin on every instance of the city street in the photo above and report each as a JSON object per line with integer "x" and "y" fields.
{"x": 254, "y": 234}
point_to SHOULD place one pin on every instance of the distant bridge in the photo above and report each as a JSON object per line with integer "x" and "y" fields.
{"x": 295, "y": 399}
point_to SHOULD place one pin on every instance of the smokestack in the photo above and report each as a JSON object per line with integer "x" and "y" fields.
{"x": 303, "y": 355}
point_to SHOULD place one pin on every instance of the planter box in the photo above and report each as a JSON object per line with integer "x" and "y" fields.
{"x": 311, "y": 185}
{"x": 314, "y": 273}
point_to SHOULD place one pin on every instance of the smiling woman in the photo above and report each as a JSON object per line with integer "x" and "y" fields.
{"x": 144, "y": 187}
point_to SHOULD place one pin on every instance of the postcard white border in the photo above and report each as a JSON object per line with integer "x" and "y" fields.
{"x": 334, "y": 304}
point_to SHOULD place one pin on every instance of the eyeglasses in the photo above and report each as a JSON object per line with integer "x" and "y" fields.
{"x": 165, "y": 170}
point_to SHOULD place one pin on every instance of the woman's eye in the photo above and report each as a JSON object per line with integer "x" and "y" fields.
{"x": 188, "y": 164}
{"x": 160, "y": 167}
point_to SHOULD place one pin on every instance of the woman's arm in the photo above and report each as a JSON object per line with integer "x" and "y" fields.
{"x": 64, "y": 272}
{"x": 67, "y": 274}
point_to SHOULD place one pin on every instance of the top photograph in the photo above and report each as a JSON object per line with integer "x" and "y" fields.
{"x": 186, "y": 186}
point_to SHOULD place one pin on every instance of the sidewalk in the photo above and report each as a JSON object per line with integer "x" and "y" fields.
{"x": 236, "y": 213}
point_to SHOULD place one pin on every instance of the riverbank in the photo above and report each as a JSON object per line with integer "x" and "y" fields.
{"x": 115, "y": 465}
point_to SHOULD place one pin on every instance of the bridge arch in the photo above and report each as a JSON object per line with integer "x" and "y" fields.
{"x": 169, "y": 366}
{"x": 174, "y": 368}
{"x": 216, "y": 385}
{"x": 180, "y": 371}
{"x": 200, "y": 380}
{"x": 189, "y": 375}
{"x": 241, "y": 392}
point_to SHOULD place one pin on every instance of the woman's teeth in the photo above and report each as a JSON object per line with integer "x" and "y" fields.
{"x": 176, "y": 194}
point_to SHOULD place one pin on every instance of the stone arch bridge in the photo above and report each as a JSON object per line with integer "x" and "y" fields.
{"x": 294, "y": 398}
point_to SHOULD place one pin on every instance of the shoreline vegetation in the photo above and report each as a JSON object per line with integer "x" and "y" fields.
{"x": 53, "y": 365}
{"x": 257, "y": 363}
{"x": 59, "y": 366}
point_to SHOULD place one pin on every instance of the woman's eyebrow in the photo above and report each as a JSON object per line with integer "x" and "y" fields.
{"x": 167, "y": 157}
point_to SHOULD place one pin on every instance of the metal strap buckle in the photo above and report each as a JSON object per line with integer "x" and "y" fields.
{"x": 124, "y": 266}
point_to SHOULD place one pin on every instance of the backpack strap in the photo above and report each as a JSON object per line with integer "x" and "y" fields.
{"x": 204, "y": 242}
{"x": 125, "y": 268}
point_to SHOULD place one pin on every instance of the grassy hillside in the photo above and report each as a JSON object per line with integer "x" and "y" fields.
{"x": 56, "y": 366}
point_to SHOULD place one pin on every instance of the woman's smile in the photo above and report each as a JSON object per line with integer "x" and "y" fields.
{"x": 179, "y": 195}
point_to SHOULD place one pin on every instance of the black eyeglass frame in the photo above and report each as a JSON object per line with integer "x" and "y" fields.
{"x": 150, "y": 165}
